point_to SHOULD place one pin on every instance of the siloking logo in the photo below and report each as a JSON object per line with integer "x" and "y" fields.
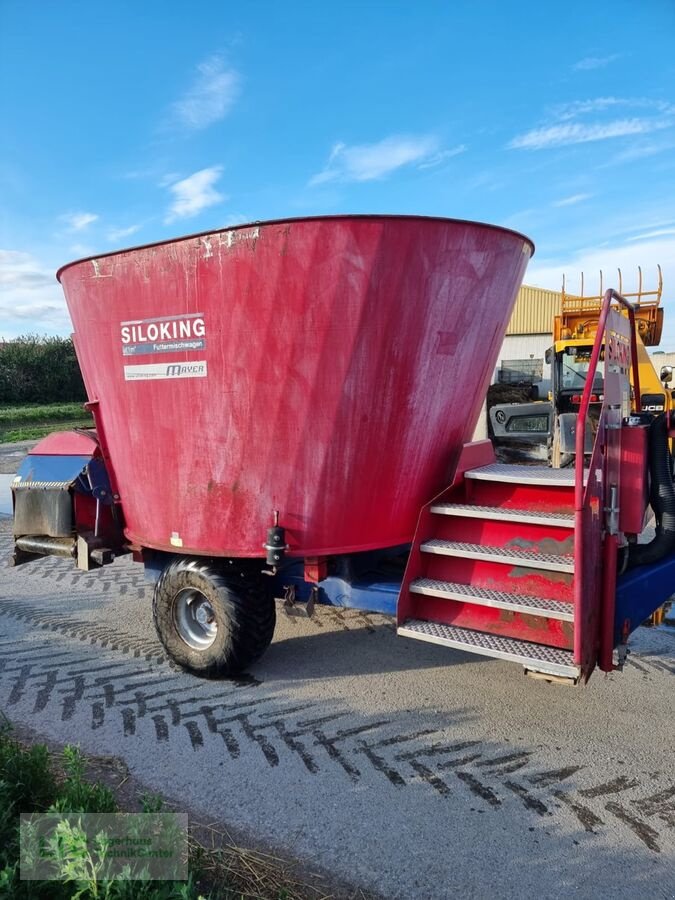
{"x": 165, "y": 334}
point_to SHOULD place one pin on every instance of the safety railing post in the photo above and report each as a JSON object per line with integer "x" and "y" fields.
{"x": 581, "y": 500}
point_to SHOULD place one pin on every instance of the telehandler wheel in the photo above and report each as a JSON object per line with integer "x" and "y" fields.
{"x": 213, "y": 621}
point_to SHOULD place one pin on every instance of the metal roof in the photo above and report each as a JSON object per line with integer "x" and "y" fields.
{"x": 534, "y": 311}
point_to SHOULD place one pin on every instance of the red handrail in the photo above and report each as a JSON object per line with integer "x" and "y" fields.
{"x": 610, "y": 295}
{"x": 610, "y": 543}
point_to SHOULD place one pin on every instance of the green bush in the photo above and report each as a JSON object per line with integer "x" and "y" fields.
{"x": 40, "y": 370}
{"x": 28, "y": 784}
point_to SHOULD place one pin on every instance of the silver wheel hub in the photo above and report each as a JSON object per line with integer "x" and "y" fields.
{"x": 195, "y": 619}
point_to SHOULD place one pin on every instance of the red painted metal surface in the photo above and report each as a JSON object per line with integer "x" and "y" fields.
{"x": 492, "y": 575}
{"x": 328, "y": 368}
{"x": 595, "y": 537}
{"x": 537, "y": 538}
{"x": 503, "y": 622}
{"x": 634, "y": 487}
{"x": 66, "y": 443}
{"x": 498, "y": 576}
{"x": 537, "y": 497}
{"x": 316, "y": 569}
{"x": 472, "y": 456}
{"x": 588, "y": 567}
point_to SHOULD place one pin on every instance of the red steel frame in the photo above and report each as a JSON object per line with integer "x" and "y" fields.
{"x": 597, "y": 570}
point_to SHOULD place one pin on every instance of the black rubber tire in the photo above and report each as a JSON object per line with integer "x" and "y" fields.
{"x": 243, "y": 605}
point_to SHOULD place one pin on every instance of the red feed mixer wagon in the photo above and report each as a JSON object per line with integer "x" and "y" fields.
{"x": 286, "y": 408}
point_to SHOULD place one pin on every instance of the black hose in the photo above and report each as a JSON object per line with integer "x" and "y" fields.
{"x": 661, "y": 498}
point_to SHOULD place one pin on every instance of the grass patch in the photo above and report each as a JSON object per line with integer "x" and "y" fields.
{"x": 41, "y": 412}
{"x": 30, "y": 783}
{"x": 31, "y": 421}
{"x": 35, "y": 432}
{"x": 33, "y": 780}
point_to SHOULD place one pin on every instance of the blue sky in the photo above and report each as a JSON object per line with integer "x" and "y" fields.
{"x": 125, "y": 123}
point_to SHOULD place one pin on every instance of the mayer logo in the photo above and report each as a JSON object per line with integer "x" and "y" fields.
{"x": 160, "y": 371}
{"x": 177, "y": 370}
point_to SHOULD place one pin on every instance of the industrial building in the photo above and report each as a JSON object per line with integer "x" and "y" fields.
{"x": 528, "y": 336}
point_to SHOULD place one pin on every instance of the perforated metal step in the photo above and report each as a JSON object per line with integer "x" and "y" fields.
{"x": 536, "y": 657}
{"x": 542, "y": 475}
{"x": 500, "y": 514}
{"x": 468, "y": 593}
{"x": 508, "y": 555}
{"x": 19, "y": 485}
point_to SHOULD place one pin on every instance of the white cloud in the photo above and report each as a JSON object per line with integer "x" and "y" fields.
{"x": 578, "y": 133}
{"x": 367, "y": 162}
{"x": 168, "y": 178}
{"x": 21, "y": 270}
{"x": 526, "y": 220}
{"x": 576, "y": 108}
{"x": 488, "y": 180}
{"x": 78, "y": 221}
{"x": 594, "y": 62}
{"x": 210, "y": 98}
{"x": 116, "y": 234}
{"x": 195, "y": 193}
{"x": 441, "y": 156}
{"x": 567, "y": 126}
{"x": 573, "y": 200}
{"x": 41, "y": 317}
{"x": 30, "y": 298}
{"x": 151, "y": 172}
{"x": 81, "y": 250}
{"x": 659, "y": 232}
{"x": 639, "y": 150}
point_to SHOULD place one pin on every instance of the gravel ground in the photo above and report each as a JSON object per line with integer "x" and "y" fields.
{"x": 12, "y": 454}
{"x": 403, "y": 767}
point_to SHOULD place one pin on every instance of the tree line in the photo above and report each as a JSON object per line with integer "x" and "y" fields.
{"x": 37, "y": 369}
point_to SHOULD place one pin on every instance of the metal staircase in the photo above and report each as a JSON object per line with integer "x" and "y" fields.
{"x": 494, "y": 572}
{"x": 520, "y": 562}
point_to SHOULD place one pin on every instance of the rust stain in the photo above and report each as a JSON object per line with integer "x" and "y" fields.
{"x": 506, "y": 616}
{"x": 546, "y": 545}
{"x": 213, "y": 487}
{"x": 536, "y": 623}
{"x": 526, "y": 572}
{"x": 285, "y": 236}
{"x": 538, "y": 628}
{"x": 565, "y": 510}
{"x": 533, "y": 622}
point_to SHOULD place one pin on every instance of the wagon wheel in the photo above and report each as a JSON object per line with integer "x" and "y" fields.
{"x": 211, "y": 620}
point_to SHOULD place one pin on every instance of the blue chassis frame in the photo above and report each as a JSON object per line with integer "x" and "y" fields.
{"x": 370, "y": 582}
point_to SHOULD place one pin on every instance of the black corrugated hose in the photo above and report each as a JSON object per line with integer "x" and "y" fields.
{"x": 661, "y": 498}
